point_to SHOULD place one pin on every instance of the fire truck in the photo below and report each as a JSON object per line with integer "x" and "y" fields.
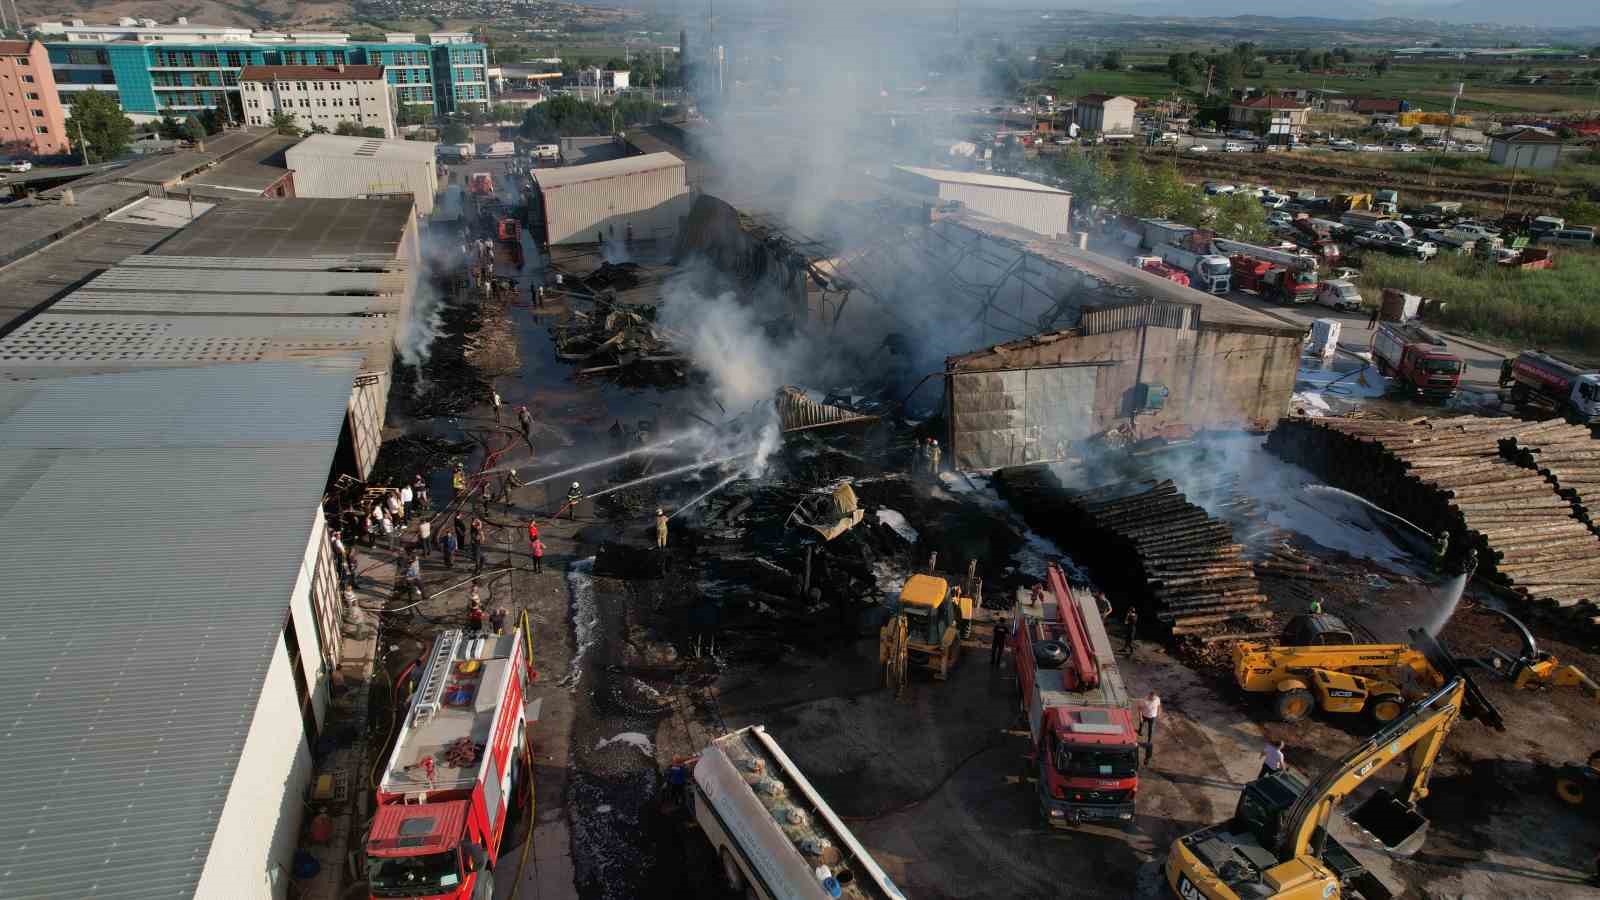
{"x": 481, "y": 184}
{"x": 508, "y": 234}
{"x": 460, "y": 762}
{"x": 1158, "y": 267}
{"x": 1085, "y": 744}
{"x": 1572, "y": 389}
{"x": 1417, "y": 360}
{"x": 1279, "y": 274}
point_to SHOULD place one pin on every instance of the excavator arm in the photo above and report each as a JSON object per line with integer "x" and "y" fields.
{"x": 1417, "y": 737}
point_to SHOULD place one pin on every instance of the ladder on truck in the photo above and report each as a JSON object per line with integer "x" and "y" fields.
{"x": 1298, "y": 261}
{"x": 431, "y": 694}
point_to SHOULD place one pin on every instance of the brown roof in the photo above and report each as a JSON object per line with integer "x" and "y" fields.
{"x": 308, "y": 73}
{"x": 1526, "y": 136}
{"x": 1273, "y": 102}
{"x": 15, "y": 48}
{"x": 1376, "y": 104}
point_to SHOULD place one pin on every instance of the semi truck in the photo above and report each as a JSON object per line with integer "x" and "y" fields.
{"x": 1417, "y": 360}
{"x": 459, "y": 763}
{"x": 1272, "y": 281}
{"x": 1160, "y": 231}
{"x": 1537, "y": 377}
{"x": 1085, "y": 744}
{"x": 1209, "y": 272}
{"x": 773, "y": 834}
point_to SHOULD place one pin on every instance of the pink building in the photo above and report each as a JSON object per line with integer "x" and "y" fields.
{"x": 32, "y": 122}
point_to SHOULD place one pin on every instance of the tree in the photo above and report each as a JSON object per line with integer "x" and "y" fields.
{"x": 170, "y": 128}
{"x": 616, "y": 64}
{"x": 318, "y": 128}
{"x": 284, "y": 123}
{"x": 98, "y": 121}
{"x": 372, "y": 131}
{"x": 1581, "y": 211}
{"x": 1112, "y": 61}
{"x": 193, "y": 130}
{"x": 414, "y": 114}
{"x": 1416, "y": 134}
{"x": 1239, "y": 216}
{"x": 347, "y": 128}
{"x": 455, "y": 133}
{"x": 1382, "y": 65}
{"x": 212, "y": 120}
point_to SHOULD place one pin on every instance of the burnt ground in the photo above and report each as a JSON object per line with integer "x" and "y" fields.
{"x": 932, "y": 782}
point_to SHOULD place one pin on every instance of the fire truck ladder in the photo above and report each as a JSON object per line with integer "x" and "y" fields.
{"x": 1085, "y": 663}
{"x": 433, "y": 683}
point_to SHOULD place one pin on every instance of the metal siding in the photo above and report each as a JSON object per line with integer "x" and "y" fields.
{"x": 252, "y": 851}
{"x": 1019, "y": 416}
{"x": 317, "y": 175}
{"x": 1039, "y": 212}
{"x": 653, "y": 201}
{"x": 146, "y": 657}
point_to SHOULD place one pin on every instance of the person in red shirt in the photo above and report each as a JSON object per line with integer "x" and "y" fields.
{"x": 538, "y": 556}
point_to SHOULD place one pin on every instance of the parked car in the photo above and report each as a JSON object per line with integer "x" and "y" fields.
{"x": 1168, "y": 137}
{"x": 1406, "y": 148}
{"x": 1420, "y": 249}
{"x": 1471, "y": 148}
{"x": 1215, "y": 189}
{"x": 1234, "y": 147}
{"x": 1371, "y": 148}
{"x": 1274, "y": 201}
{"x": 19, "y": 165}
{"x": 1474, "y": 230}
{"x": 1343, "y": 145}
{"x": 1280, "y": 219}
{"x": 1339, "y": 294}
{"x": 1197, "y": 148}
{"x": 1581, "y": 235}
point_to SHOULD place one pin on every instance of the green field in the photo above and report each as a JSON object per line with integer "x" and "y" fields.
{"x": 1551, "y": 308}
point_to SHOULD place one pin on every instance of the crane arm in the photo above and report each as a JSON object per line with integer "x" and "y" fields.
{"x": 1417, "y": 736}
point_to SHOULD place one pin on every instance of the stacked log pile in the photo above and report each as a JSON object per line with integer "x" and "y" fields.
{"x": 1150, "y": 542}
{"x": 1451, "y": 474}
{"x": 1569, "y": 458}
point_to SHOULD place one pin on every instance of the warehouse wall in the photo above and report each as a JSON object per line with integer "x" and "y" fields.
{"x": 252, "y": 852}
{"x": 655, "y": 202}
{"x": 348, "y": 177}
{"x": 1219, "y": 377}
{"x": 1037, "y": 211}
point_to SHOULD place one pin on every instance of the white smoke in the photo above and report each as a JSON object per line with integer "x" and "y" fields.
{"x": 439, "y": 257}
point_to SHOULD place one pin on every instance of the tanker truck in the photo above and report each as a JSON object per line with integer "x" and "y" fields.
{"x": 1209, "y": 272}
{"x": 1537, "y": 377}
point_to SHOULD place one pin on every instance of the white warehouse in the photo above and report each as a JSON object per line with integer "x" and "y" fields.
{"x": 578, "y": 204}
{"x": 329, "y": 165}
{"x": 1016, "y": 201}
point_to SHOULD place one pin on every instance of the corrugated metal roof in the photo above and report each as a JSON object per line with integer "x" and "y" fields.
{"x": 978, "y": 178}
{"x": 135, "y": 662}
{"x": 31, "y": 283}
{"x": 295, "y": 227}
{"x": 89, "y": 300}
{"x": 113, "y": 342}
{"x": 361, "y": 148}
{"x": 614, "y": 168}
{"x": 245, "y": 281}
{"x": 276, "y": 264}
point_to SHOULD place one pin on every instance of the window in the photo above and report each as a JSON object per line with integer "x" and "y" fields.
{"x": 299, "y": 85}
{"x": 27, "y": 79}
{"x": 37, "y": 113}
{"x": 40, "y": 129}
{"x": 302, "y": 686}
{"x": 31, "y": 96}
{"x": 22, "y": 60}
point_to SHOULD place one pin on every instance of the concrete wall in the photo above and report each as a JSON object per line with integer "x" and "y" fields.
{"x": 1219, "y": 377}
{"x": 1525, "y": 156}
{"x": 338, "y": 176}
{"x": 654, "y": 202}
{"x": 1041, "y": 212}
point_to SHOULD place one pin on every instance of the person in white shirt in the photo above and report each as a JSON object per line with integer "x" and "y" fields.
{"x": 425, "y": 537}
{"x": 405, "y": 501}
{"x": 1149, "y": 712}
{"x": 1271, "y": 758}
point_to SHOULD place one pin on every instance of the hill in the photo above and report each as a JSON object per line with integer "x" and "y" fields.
{"x": 243, "y": 13}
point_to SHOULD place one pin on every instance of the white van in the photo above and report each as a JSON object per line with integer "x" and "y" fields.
{"x": 1577, "y": 234}
{"x": 1234, "y": 147}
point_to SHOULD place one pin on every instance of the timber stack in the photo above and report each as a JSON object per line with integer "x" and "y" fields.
{"x": 1453, "y": 475}
{"x": 1568, "y": 457}
{"x": 1149, "y": 542}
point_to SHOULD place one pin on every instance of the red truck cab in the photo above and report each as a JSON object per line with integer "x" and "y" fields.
{"x": 481, "y": 183}
{"x": 1155, "y": 265}
{"x": 1085, "y": 743}
{"x": 1417, "y": 359}
{"x": 1273, "y": 281}
{"x": 459, "y": 764}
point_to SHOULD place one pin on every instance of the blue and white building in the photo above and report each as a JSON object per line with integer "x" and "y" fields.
{"x": 185, "y": 68}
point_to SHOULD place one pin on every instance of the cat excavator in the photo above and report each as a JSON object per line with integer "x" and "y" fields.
{"x": 1277, "y": 844}
{"x": 927, "y": 624}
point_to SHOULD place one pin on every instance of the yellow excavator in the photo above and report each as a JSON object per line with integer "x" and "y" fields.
{"x": 1277, "y": 844}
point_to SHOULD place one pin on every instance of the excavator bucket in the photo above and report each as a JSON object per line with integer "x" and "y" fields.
{"x": 1392, "y": 822}
{"x": 1477, "y": 705}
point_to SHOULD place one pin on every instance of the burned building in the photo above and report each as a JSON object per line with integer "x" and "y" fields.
{"x": 1038, "y": 344}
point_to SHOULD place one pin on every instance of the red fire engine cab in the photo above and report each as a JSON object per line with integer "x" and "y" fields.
{"x": 459, "y": 763}
{"x": 1085, "y": 743}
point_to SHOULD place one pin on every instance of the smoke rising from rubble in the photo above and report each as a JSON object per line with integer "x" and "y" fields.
{"x": 426, "y": 323}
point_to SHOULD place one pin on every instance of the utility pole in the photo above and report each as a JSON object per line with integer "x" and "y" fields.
{"x": 83, "y": 145}
{"x": 1516, "y": 157}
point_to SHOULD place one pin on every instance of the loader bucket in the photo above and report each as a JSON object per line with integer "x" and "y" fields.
{"x": 1393, "y": 823}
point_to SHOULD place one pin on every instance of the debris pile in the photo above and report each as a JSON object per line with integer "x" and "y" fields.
{"x": 798, "y": 412}
{"x": 1451, "y": 475}
{"x": 613, "y": 338}
{"x": 1149, "y": 541}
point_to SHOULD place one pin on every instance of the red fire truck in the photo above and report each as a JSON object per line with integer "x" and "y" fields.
{"x": 1417, "y": 360}
{"x": 1085, "y": 744}
{"x": 481, "y": 184}
{"x": 1157, "y": 266}
{"x": 1273, "y": 273}
{"x": 460, "y": 762}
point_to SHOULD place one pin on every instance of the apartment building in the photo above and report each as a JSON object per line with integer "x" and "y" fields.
{"x": 185, "y": 68}
{"x": 318, "y": 95}
{"x": 32, "y": 122}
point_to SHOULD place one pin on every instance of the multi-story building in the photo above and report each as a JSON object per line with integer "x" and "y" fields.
{"x": 32, "y": 122}
{"x": 318, "y": 95}
{"x": 185, "y": 67}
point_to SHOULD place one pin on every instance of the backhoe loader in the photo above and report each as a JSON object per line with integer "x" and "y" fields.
{"x": 1277, "y": 844}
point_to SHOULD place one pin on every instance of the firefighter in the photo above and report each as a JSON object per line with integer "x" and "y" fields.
{"x": 661, "y": 529}
{"x": 933, "y": 458}
{"x": 526, "y": 418}
{"x": 997, "y": 642}
{"x": 1316, "y": 606}
{"x": 1131, "y": 622}
{"x": 574, "y": 496}
{"x": 1441, "y": 549}
{"x": 458, "y": 478}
